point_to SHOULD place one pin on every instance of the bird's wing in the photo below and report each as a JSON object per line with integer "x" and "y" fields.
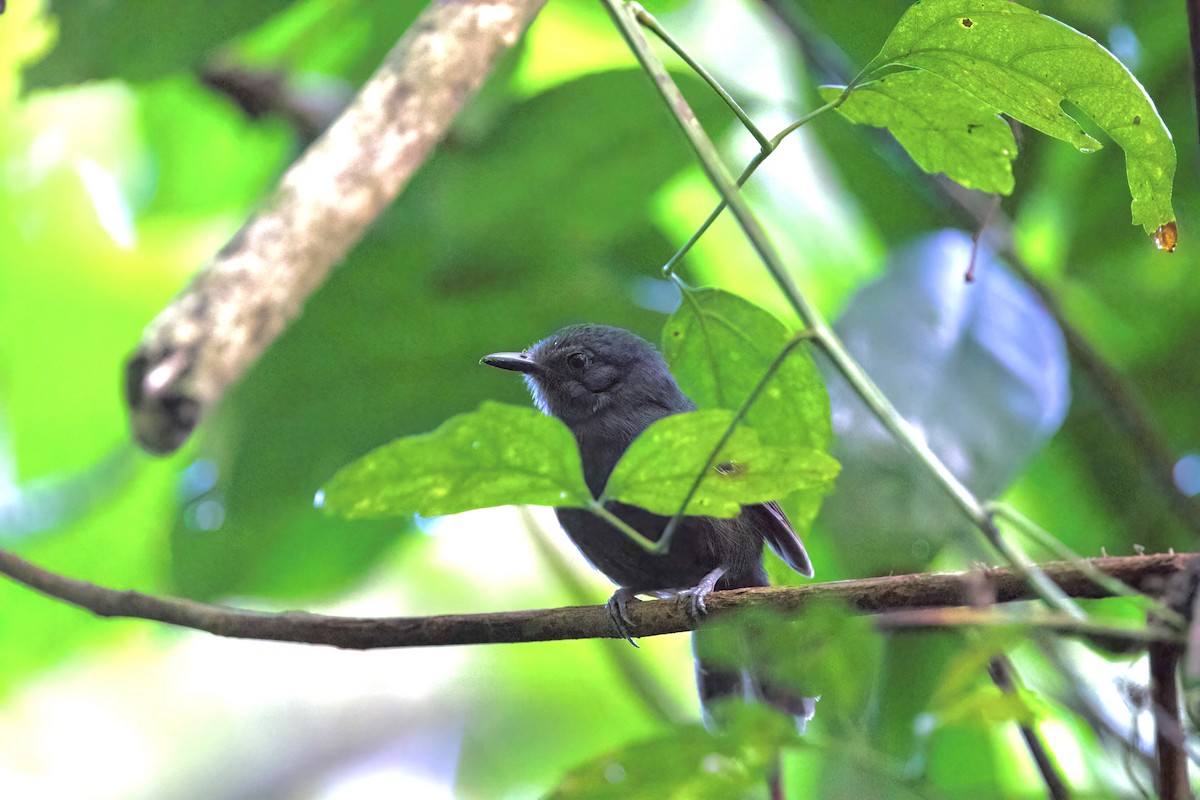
{"x": 781, "y": 538}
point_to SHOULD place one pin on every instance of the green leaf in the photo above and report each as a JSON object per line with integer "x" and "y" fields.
{"x": 97, "y": 40}
{"x": 989, "y": 705}
{"x": 944, "y": 128}
{"x": 659, "y": 468}
{"x": 720, "y": 346}
{"x": 1024, "y": 64}
{"x": 498, "y": 455}
{"x": 687, "y": 762}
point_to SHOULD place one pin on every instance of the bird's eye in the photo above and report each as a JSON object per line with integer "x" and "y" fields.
{"x": 577, "y": 361}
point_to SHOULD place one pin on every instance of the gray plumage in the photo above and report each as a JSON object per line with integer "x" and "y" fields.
{"x": 608, "y": 385}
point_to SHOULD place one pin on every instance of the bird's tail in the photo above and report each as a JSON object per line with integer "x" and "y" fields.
{"x": 730, "y": 667}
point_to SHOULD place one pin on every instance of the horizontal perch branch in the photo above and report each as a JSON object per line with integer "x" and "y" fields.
{"x": 872, "y": 596}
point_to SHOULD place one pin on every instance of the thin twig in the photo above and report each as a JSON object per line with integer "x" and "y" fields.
{"x": 651, "y": 618}
{"x": 1193, "y": 15}
{"x": 1168, "y": 728}
{"x": 649, "y": 22}
{"x": 926, "y": 619}
{"x": 759, "y": 157}
{"x": 1037, "y": 533}
{"x": 1001, "y": 671}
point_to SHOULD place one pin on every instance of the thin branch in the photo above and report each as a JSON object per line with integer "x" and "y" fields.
{"x": 649, "y": 21}
{"x": 651, "y": 618}
{"x": 1032, "y": 530}
{"x": 257, "y": 284}
{"x": 928, "y": 619}
{"x": 1001, "y": 671}
{"x": 1193, "y": 15}
{"x": 259, "y": 92}
{"x": 1168, "y": 728}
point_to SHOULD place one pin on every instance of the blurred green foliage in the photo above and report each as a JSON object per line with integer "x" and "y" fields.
{"x": 555, "y": 200}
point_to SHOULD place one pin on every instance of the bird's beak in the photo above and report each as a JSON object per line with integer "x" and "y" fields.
{"x": 517, "y": 362}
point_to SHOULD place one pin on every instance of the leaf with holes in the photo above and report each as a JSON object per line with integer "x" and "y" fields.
{"x": 720, "y": 346}
{"x": 1024, "y": 64}
{"x": 660, "y": 467}
{"x": 944, "y": 128}
{"x": 497, "y": 455}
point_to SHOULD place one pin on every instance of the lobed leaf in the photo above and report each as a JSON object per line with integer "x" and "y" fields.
{"x": 659, "y": 468}
{"x": 1024, "y": 64}
{"x": 944, "y": 128}
{"x": 497, "y": 455}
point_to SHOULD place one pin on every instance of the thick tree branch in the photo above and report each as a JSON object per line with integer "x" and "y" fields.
{"x": 871, "y": 596}
{"x": 257, "y": 284}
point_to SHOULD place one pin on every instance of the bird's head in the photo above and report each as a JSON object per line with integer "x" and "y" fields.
{"x": 583, "y": 371}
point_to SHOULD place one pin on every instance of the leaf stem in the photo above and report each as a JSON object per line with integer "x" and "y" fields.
{"x": 767, "y": 149}
{"x": 664, "y": 543}
{"x": 821, "y": 331}
{"x": 649, "y": 22}
{"x": 597, "y": 508}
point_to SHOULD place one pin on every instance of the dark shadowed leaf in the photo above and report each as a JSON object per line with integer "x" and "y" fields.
{"x": 98, "y": 40}
{"x": 498, "y": 455}
{"x": 953, "y": 356}
{"x": 659, "y": 468}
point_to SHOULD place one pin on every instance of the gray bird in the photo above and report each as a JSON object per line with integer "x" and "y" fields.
{"x": 608, "y": 385}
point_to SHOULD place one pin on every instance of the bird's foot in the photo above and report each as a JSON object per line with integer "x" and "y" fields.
{"x": 618, "y": 611}
{"x": 697, "y": 595}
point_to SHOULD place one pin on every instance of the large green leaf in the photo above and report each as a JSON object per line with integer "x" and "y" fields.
{"x": 720, "y": 346}
{"x": 660, "y": 467}
{"x": 1024, "y": 64}
{"x": 498, "y": 455}
{"x": 943, "y": 127}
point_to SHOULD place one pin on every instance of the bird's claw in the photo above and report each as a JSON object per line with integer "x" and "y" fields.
{"x": 694, "y": 598}
{"x": 698, "y": 594}
{"x": 618, "y": 611}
